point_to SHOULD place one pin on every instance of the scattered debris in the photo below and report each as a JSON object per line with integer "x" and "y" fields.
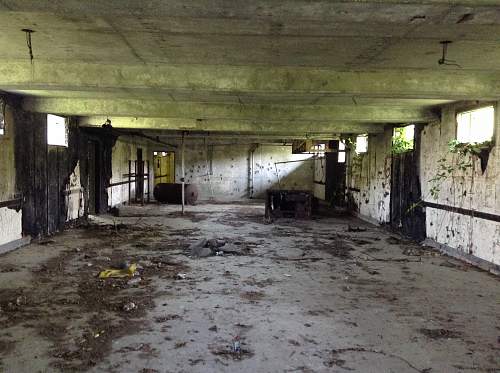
{"x": 236, "y": 351}
{"x": 351, "y": 228}
{"x": 180, "y": 344}
{"x": 236, "y": 345}
{"x": 130, "y": 306}
{"x": 392, "y": 240}
{"x": 162, "y": 319}
{"x": 215, "y": 243}
{"x": 460, "y": 266}
{"x": 360, "y": 241}
{"x": 466, "y": 18}
{"x": 252, "y": 296}
{"x": 46, "y": 242}
{"x": 204, "y": 248}
{"x": 149, "y": 370}
{"x": 126, "y": 270}
{"x": 440, "y": 333}
{"x": 200, "y": 249}
{"x": 213, "y": 328}
{"x": 311, "y": 259}
{"x": 21, "y": 300}
{"x": 134, "y": 281}
{"x": 340, "y": 362}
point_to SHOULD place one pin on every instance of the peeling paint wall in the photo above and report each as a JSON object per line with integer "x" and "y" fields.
{"x": 10, "y": 220}
{"x": 471, "y": 190}
{"x": 368, "y": 179}
{"x": 125, "y": 149}
{"x": 223, "y": 170}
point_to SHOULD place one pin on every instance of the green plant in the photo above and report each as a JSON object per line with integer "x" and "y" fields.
{"x": 462, "y": 161}
{"x": 400, "y": 142}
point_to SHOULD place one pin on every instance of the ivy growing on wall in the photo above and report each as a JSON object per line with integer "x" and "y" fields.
{"x": 462, "y": 161}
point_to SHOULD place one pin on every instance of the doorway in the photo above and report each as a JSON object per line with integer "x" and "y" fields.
{"x": 139, "y": 173}
{"x": 407, "y": 214}
{"x": 164, "y": 167}
{"x": 94, "y": 178}
{"x": 335, "y": 180}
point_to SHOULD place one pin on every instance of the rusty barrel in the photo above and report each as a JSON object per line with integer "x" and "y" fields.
{"x": 172, "y": 193}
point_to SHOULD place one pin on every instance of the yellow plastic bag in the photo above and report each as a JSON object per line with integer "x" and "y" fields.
{"x": 119, "y": 273}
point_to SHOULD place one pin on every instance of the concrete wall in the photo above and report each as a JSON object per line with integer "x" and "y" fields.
{"x": 10, "y": 219}
{"x": 369, "y": 178}
{"x": 125, "y": 149}
{"x": 369, "y": 188}
{"x": 470, "y": 190}
{"x": 223, "y": 169}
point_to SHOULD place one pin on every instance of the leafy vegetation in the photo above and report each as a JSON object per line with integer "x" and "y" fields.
{"x": 462, "y": 161}
{"x": 402, "y": 139}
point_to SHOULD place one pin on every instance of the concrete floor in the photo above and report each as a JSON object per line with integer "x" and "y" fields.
{"x": 308, "y": 296}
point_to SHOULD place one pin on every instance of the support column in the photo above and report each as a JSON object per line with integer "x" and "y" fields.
{"x": 182, "y": 170}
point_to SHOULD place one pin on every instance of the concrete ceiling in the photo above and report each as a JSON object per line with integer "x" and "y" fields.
{"x": 250, "y": 66}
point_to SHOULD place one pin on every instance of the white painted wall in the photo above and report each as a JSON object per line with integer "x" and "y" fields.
{"x": 125, "y": 149}
{"x": 471, "y": 190}
{"x": 295, "y": 175}
{"x": 370, "y": 173}
{"x": 222, "y": 168}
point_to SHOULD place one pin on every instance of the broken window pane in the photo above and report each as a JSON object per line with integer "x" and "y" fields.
{"x": 476, "y": 125}
{"x": 57, "y": 133}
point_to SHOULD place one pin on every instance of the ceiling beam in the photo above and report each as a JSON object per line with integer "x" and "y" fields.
{"x": 241, "y": 126}
{"x": 212, "y": 9}
{"x": 163, "y": 109}
{"x": 450, "y": 84}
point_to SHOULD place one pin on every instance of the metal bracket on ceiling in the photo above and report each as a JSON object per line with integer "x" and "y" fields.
{"x": 443, "y": 60}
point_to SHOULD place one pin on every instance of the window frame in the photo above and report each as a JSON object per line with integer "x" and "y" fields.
{"x": 367, "y": 144}
{"x": 342, "y": 151}
{"x": 470, "y": 108}
{"x": 66, "y": 131}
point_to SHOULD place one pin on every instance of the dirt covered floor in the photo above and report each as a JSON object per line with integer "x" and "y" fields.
{"x": 332, "y": 294}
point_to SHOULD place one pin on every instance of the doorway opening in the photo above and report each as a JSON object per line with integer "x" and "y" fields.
{"x": 164, "y": 167}
{"x": 335, "y": 182}
{"x": 139, "y": 173}
{"x": 94, "y": 177}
